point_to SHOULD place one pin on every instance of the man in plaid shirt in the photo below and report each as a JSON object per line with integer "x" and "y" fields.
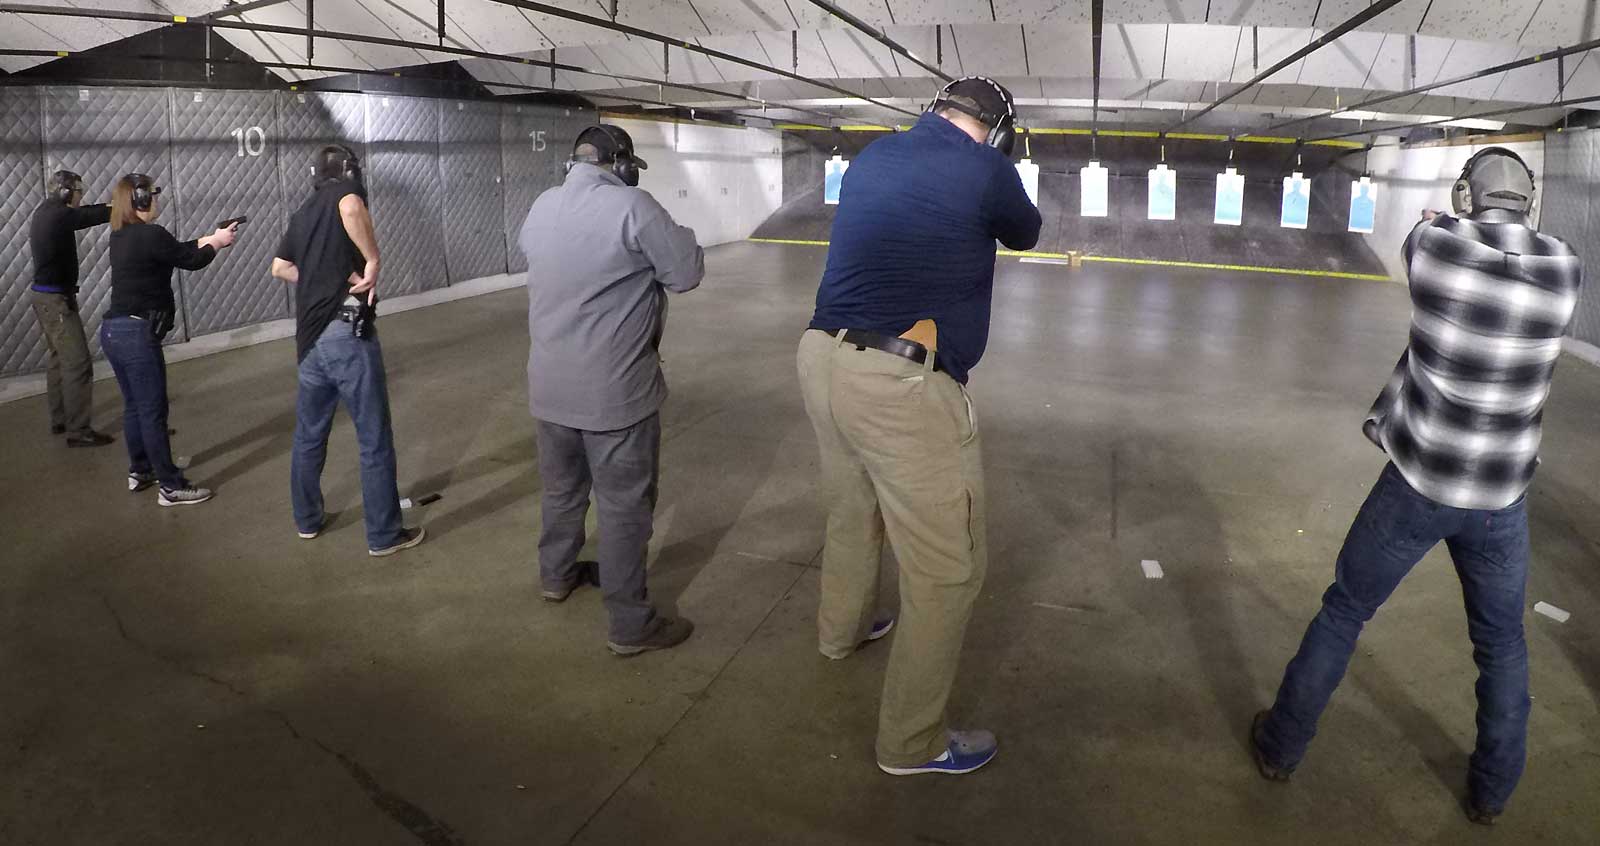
{"x": 1460, "y": 420}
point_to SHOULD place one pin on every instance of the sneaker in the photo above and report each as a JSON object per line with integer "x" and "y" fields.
{"x": 670, "y": 633}
{"x": 880, "y": 629}
{"x": 588, "y": 573}
{"x": 89, "y": 438}
{"x": 408, "y": 539}
{"x": 188, "y": 495}
{"x": 968, "y": 750}
{"x": 1267, "y": 770}
{"x": 1480, "y": 815}
{"x": 314, "y": 534}
{"x": 57, "y": 429}
{"x": 140, "y": 481}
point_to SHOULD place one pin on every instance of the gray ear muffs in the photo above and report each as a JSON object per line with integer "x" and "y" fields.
{"x": 1002, "y": 127}
{"x": 1461, "y": 192}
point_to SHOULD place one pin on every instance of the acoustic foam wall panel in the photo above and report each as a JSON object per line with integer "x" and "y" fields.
{"x": 474, "y": 208}
{"x": 403, "y": 185}
{"x": 102, "y": 134}
{"x": 536, "y": 143}
{"x": 22, "y": 177}
{"x": 225, "y": 164}
{"x": 1571, "y": 212}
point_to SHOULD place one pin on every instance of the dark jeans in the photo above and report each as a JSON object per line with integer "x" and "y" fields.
{"x": 1396, "y": 527}
{"x": 141, "y": 369}
{"x": 69, "y": 373}
{"x": 339, "y": 367}
{"x": 621, "y": 468}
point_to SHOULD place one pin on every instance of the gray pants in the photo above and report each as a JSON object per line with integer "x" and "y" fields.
{"x": 69, "y": 375}
{"x": 621, "y": 468}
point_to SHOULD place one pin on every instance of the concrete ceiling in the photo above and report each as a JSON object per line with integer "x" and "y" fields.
{"x": 1160, "y": 57}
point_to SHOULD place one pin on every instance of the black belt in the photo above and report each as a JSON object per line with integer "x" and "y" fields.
{"x": 911, "y": 350}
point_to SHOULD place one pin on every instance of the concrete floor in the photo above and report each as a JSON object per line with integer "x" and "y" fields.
{"x": 202, "y": 676}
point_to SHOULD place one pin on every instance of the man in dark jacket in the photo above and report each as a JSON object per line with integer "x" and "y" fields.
{"x": 53, "y": 237}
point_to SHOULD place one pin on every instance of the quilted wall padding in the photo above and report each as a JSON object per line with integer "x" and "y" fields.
{"x": 224, "y": 154}
{"x": 469, "y": 167}
{"x": 307, "y": 122}
{"x": 102, "y": 134}
{"x": 402, "y": 172}
{"x": 536, "y": 142}
{"x": 1571, "y": 211}
{"x": 21, "y": 188}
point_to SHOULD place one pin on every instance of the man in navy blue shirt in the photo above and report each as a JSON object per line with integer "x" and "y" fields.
{"x": 902, "y": 317}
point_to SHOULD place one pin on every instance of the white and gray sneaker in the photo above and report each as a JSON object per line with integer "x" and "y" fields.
{"x": 189, "y": 495}
{"x": 140, "y": 481}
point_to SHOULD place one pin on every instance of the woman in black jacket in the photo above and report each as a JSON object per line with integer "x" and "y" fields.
{"x": 143, "y": 256}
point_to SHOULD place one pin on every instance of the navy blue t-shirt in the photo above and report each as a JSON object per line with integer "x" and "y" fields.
{"x": 919, "y": 213}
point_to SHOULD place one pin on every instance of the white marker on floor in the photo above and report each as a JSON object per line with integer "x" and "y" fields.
{"x": 1152, "y": 569}
{"x": 1552, "y": 612}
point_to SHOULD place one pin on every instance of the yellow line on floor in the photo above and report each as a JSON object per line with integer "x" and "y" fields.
{"x": 1188, "y": 265}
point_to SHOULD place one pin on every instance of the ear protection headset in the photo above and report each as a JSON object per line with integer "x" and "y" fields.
{"x": 144, "y": 191}
{"x": 349, "y": 165}
{"x": 65, "y": 183}
{"x": 621, "y": 158}
{"x": 1002, "y": 127}
{"x": 1461, "y": 193}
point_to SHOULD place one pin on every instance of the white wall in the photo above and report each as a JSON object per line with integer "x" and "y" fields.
{"x": 1410, "y": 180}
{"x": 721, "y": 181}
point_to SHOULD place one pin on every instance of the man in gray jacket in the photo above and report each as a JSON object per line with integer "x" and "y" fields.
{"x": 601, "y": 253}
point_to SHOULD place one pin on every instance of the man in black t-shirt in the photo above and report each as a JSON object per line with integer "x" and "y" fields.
{"x": 53, "y": 240}
{"x": 330, "y": 255}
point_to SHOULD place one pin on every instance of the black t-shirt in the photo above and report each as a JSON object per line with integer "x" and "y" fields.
{"x": 319, "y": 247}
{"x": 143, "y": 256}
{"x": 54, "y": 241}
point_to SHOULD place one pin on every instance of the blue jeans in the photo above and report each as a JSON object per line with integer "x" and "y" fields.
{"x": 141, "y": 369}
{"x": 341, "y": 366}
{"x": 1395, "y": 529}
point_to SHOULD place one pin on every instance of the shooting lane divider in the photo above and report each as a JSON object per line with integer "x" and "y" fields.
{"x": 1187, "y": 265}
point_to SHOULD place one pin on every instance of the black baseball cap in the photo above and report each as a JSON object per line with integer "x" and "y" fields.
{"x": 609, "y": 140}
{"x": 992, "y": 97}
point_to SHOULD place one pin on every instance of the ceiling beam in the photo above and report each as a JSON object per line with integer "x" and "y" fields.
{"x": 880, "y": 36}
{"x": 558, "y": 12}
{"x": 180, "y": 20}
{"x": 1559, "y": 104}
{"x": 515, "y": 86}
{"x": 1326, "y": 38}
{"x": 1097, "y": 9}
{"x": 1559, "y": 54}
{"x": 235, "y": 9}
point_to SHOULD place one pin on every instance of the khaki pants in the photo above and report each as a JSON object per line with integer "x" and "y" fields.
{"x": 69, "y": 372}
{"x": 899, "y": 453}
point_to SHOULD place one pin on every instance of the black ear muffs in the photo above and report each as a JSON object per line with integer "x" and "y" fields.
{"x": 622, "y": 163}
{"x": 1002, "y": 127}
{"x": 65, "y": 183}
{"x": 144, "y": 192}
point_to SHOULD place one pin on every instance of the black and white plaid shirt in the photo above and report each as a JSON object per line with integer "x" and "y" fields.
{"x": 1491, "y": 298}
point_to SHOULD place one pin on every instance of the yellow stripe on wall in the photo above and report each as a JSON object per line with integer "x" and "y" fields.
{"x": 1188, "y": 265}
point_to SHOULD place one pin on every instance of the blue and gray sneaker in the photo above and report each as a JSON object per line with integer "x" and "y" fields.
{"x": 880, "y": 629}
{"x": 968, "y": 750}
